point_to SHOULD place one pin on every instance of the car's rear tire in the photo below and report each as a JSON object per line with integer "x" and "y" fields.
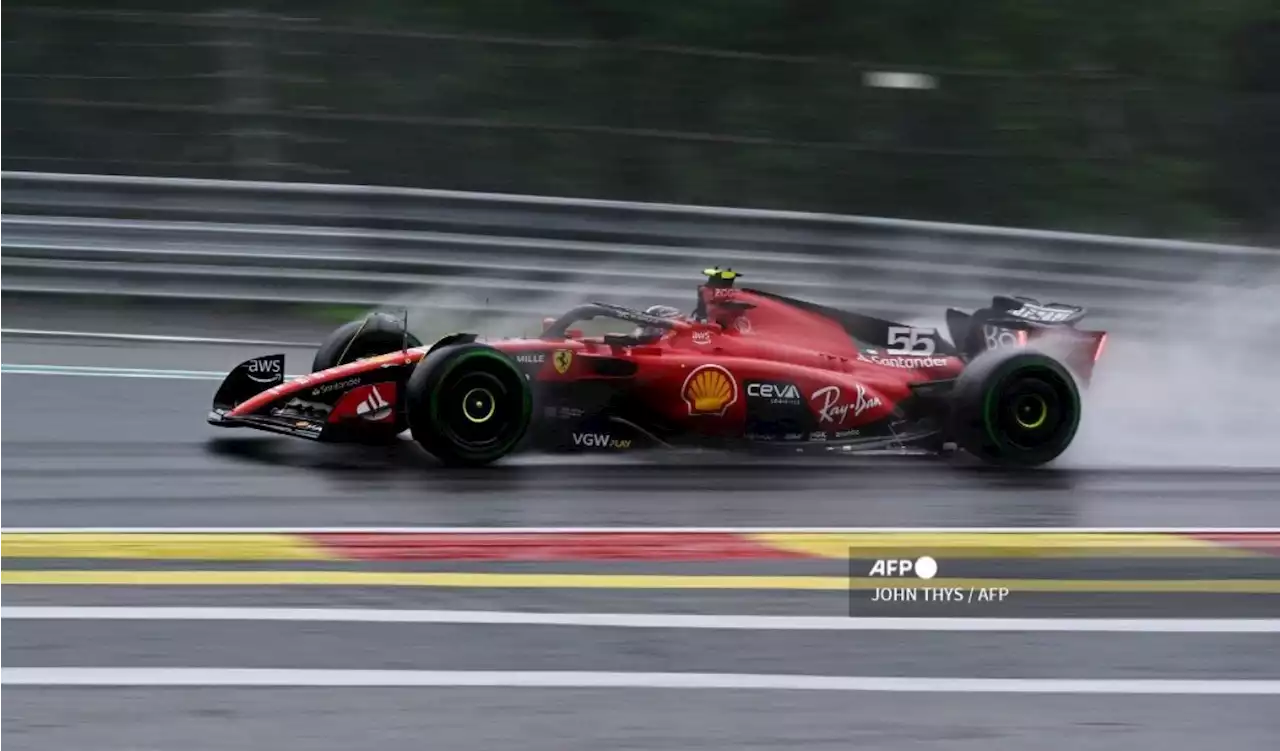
{"x": 1015, "y": 407}
{"x": 377, "y": 334}
{"x": 468, "y": 404}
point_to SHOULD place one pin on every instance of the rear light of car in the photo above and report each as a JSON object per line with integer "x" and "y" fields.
{"x": 1085, "y": 355}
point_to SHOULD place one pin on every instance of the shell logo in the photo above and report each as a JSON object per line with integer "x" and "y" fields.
{"x": 709, "y": 390}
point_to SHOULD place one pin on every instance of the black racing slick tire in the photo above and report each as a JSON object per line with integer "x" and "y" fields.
{"x": 375, "y": 335}
{"x": 468, "y": 404}
{"x": 1015, "y": 408}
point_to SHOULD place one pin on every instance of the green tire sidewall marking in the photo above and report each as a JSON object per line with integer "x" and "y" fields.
{"x": 1002, "y": 376}
{"x": 527, "y": 402}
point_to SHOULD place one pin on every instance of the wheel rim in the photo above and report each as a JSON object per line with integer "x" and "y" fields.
{"x": 480, "y": 405}
{"x": 1032, "y": 410}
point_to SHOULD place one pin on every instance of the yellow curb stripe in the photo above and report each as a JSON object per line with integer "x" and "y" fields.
{"x": 422, "y": 579}
{"x": 948, "y": 545}
{"x": 164, "y": 546}
{"x": 614, "y": 581}
{"x": 940, "y": 545}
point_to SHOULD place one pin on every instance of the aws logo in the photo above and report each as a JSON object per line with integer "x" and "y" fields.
{"x": 266, "y": 369}
{"x": 709, "y": 390}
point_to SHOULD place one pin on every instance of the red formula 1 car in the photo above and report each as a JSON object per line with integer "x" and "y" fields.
{"x": 745, "y": 370}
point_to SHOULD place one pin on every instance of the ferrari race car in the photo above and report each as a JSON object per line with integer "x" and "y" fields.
{"x": 746, "y": 369}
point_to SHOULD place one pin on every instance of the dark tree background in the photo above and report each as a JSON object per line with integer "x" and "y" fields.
{"x": 1151, "y": 116}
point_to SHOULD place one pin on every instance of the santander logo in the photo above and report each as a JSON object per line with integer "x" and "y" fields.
{"x": 371, "y": 403}
{"x": 374, "y": 408}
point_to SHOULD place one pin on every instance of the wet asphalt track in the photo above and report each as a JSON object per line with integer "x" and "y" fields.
{"x": 106, "y": 451}
{"x": 124, "y": 452}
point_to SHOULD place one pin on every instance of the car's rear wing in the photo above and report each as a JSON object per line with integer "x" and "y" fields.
{"x": 1013, "y": 321}
{"x": 1019, "y": 311}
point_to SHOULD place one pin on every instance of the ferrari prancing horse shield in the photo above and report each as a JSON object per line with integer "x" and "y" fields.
{"x": 563, "y": 359}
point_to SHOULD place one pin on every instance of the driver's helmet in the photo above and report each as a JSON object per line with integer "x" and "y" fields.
{"x": 658, "y": 311}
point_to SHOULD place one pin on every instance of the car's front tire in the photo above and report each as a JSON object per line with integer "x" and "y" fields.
{"x": 468, "y": 404}
{"x": 1015, "y": 407}
{"x": 376, "y": 334}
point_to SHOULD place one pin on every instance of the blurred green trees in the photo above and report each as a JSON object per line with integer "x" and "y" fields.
{"x": 1153, "y": 116}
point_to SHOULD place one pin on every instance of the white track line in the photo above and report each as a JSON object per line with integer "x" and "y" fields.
{"x": 74, "y": 370}
{"x": 152, "y": 338}
{"x": 125, "y": 676}
{"x": 103, "y": 371}
{"x": 653, "y": 620}
{"x": 633, "y": 530}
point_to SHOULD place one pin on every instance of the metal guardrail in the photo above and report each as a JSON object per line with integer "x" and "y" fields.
{"x": 231, "y": 240}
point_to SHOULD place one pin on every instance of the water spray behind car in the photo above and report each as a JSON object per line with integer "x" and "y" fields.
{"x": 1197, "y": 390}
